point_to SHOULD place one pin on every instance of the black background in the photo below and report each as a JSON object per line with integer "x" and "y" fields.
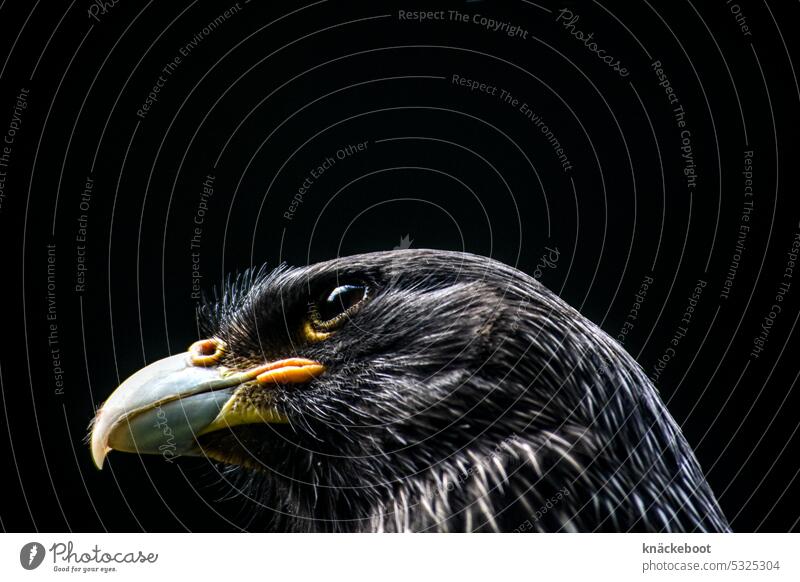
{"x": 274, "y": 89}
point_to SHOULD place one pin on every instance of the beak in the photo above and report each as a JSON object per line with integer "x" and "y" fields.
{"x": 164, "y": 407}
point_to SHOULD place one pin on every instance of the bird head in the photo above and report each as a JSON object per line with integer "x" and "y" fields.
{"x": 359, "y": 371}
{"x": 347, "y": 386}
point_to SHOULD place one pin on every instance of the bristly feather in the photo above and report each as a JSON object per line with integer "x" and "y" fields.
{"x": 462, "y": 396}
{"x": 229, "y": 300}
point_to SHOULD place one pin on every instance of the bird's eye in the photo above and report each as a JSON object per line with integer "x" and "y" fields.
{"x": 334, "y": 306}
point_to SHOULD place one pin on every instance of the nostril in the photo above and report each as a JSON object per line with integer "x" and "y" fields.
{"x": 206, "y": 352}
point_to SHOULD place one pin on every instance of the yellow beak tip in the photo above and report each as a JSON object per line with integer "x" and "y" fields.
{"x": 99, "y": 454}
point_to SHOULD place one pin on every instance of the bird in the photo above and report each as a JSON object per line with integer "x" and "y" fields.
{"x": 415, "y": 390}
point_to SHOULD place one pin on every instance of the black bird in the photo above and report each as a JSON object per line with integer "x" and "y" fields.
{"x": 417, "y": 390}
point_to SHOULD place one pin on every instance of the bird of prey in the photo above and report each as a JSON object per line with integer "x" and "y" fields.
{"x": 417, "y": 390}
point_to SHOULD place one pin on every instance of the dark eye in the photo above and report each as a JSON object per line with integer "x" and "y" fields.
{"x": 339, "y": 302}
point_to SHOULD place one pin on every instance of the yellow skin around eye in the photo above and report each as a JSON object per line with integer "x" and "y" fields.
{"x": 313, "y": 335}
{"x": 207, "y": 352}
{"x": 315, "y": 330}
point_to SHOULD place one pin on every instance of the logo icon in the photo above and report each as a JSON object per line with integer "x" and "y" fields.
{"x": 31, "y": 555}
{"x": 405, "y": 243}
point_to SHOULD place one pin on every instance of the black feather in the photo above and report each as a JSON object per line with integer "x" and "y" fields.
{"x": 462, "y": 396}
